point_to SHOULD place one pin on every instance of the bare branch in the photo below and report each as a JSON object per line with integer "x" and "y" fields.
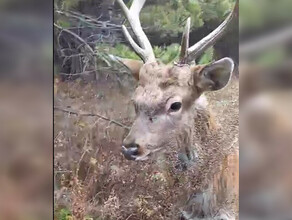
{"x": 76, "y": 36}
{"x": 91, "y": 115}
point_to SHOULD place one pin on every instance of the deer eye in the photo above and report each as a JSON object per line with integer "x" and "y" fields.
{"x": 152, "y": 119}
{"x": 175, "y": 106}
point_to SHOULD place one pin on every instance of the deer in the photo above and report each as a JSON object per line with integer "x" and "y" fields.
{"x": 172, "y": 112}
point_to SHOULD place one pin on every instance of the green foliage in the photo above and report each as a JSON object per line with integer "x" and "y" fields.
{"x": 164, "y": 54}
{"x": 167, "y": 54}
{"x": 215, "y": 9}
{"x": 169, "y": 16}
{"x": 120, "y": 50}
{"x": 67, "y": 4}
{"x": 129, "y": 3}
{"x": 263, "y": 13}
{"x": 63, "y": 23}
{"x": 207, "y": 56}
{"x": 63, "y": 214}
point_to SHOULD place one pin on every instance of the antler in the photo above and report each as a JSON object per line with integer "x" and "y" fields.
{"x": 194, "y": 51}
{"x": 185, "y": 43}
{"x": 145, "y": 50}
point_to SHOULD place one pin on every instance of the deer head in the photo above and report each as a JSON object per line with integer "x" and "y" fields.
{"x": 166, "y": 93}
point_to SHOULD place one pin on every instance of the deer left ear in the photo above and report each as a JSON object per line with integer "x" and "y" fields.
{"x": 215, "y": 76}
{"x": 133, "y": 65}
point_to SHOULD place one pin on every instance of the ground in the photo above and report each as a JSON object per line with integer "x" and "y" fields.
{"x": 92, "y": 178}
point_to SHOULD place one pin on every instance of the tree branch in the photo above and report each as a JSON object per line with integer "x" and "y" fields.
{"x": 90, "y": 114}
{"x": 76, "y": 36}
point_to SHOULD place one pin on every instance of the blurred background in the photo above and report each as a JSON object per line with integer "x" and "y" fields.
{"x": 26, "y": 114}
{"x": 27, "y": 82}
{"x": 98, "y": 25}
{"x": 265, "y": 109}
{"x": 92, "y": 179}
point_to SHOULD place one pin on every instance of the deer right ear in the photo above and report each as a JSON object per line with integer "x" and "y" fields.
{"x": 215, "y": 76}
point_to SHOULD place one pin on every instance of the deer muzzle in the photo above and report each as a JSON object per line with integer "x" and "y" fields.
{"x": 135, "y": 152}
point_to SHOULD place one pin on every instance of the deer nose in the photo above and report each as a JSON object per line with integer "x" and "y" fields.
{"x": 130, "y": 151}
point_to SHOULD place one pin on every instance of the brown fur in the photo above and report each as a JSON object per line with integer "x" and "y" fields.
{"x": 193, "y": 134}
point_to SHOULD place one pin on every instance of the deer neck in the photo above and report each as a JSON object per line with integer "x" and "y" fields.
{"x": 196, "y": 130}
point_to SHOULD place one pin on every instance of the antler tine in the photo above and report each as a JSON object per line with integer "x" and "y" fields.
{"x": 210, "y": 39}
{"x": 185, "y": 43}
{"x": 145, "y": 50}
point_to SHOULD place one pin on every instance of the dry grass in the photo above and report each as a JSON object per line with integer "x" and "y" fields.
{"x": 91, "y": 176}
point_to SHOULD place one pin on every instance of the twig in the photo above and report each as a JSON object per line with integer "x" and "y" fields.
{"x": 87, "y": 19}
{"x": 82, "y": 156}
{"x": 130, "y": 216}
{"x": 92, "y": 115}
{"x": 76, "y": 36}
{"x": 62, "y": 171}
{"x": 93, "y": 53}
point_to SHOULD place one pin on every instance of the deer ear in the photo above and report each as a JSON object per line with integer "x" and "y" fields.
{"x": 215, "y": 76}
{"x": 133, "y": 65}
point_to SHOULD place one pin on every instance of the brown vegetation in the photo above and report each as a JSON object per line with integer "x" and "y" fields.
{"x": 92, "y": 178}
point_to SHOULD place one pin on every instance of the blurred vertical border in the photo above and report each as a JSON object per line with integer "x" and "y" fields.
{"x": 265, "y": 109}
{"x": 26, "y": 98}
{"x": 26, "y": 113}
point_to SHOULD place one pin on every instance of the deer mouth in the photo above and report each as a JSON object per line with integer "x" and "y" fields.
{"x": 143, "y": 157}
{"x": 134, "y": 154}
